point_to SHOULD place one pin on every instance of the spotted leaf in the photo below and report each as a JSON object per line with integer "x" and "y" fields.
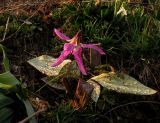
{"x": 122, "y": 83}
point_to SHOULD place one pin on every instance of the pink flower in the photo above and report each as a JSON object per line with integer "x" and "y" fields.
{"x": 75, "y": 48}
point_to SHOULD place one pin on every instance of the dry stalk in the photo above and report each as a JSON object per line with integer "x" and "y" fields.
{"x": 5, "y": 31}
{"x": 34, "y": 114}
{"x": 17, "y": 29}
{"x": 15, "y": 8}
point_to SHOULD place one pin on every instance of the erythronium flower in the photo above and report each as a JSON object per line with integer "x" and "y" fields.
{"x": 74, "y": 47}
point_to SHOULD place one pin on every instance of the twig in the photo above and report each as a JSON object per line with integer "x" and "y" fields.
{"x": 34, "y": 114}
{"x": 18, "y": 28}
{"x": 22, "y": 24}
{"x": 5, "y": 31}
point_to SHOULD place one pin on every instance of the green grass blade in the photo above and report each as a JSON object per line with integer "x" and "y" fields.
{"x": 5, "y": 62}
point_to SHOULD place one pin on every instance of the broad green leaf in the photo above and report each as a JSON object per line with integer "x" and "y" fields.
{"x": 6, "y": 115}
{"x": 5, "y": 62}
{"x": 96, "y": 90}
{"x": 8, "y": 79}
{"x": 29, "y": 110}
{"x": 4, "y": 101}
{"x": 51, "y": 82}
{"x": 5, "y": 86}
{"x": 43, "y": 64}
{"x": 122, "y": 83}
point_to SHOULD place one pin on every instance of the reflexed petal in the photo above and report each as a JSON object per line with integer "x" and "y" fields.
{"x": 62, "y": 57}
{"x": 61, "y": 35}
{"x": 77, "y": 55}
{"x": 67, "y": 49}
{"x": 93, "y": 46}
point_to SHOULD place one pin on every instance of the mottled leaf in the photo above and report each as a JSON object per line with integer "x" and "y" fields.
{"x": 96, "y": 90}
{"x": 69, "y": 70}
{"x": 122, "y": 83}
{"x": 43, "y": 64}
{"x": 51, "y": 82}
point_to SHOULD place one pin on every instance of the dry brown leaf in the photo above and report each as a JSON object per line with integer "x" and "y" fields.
{"x": 82, "y": 94}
